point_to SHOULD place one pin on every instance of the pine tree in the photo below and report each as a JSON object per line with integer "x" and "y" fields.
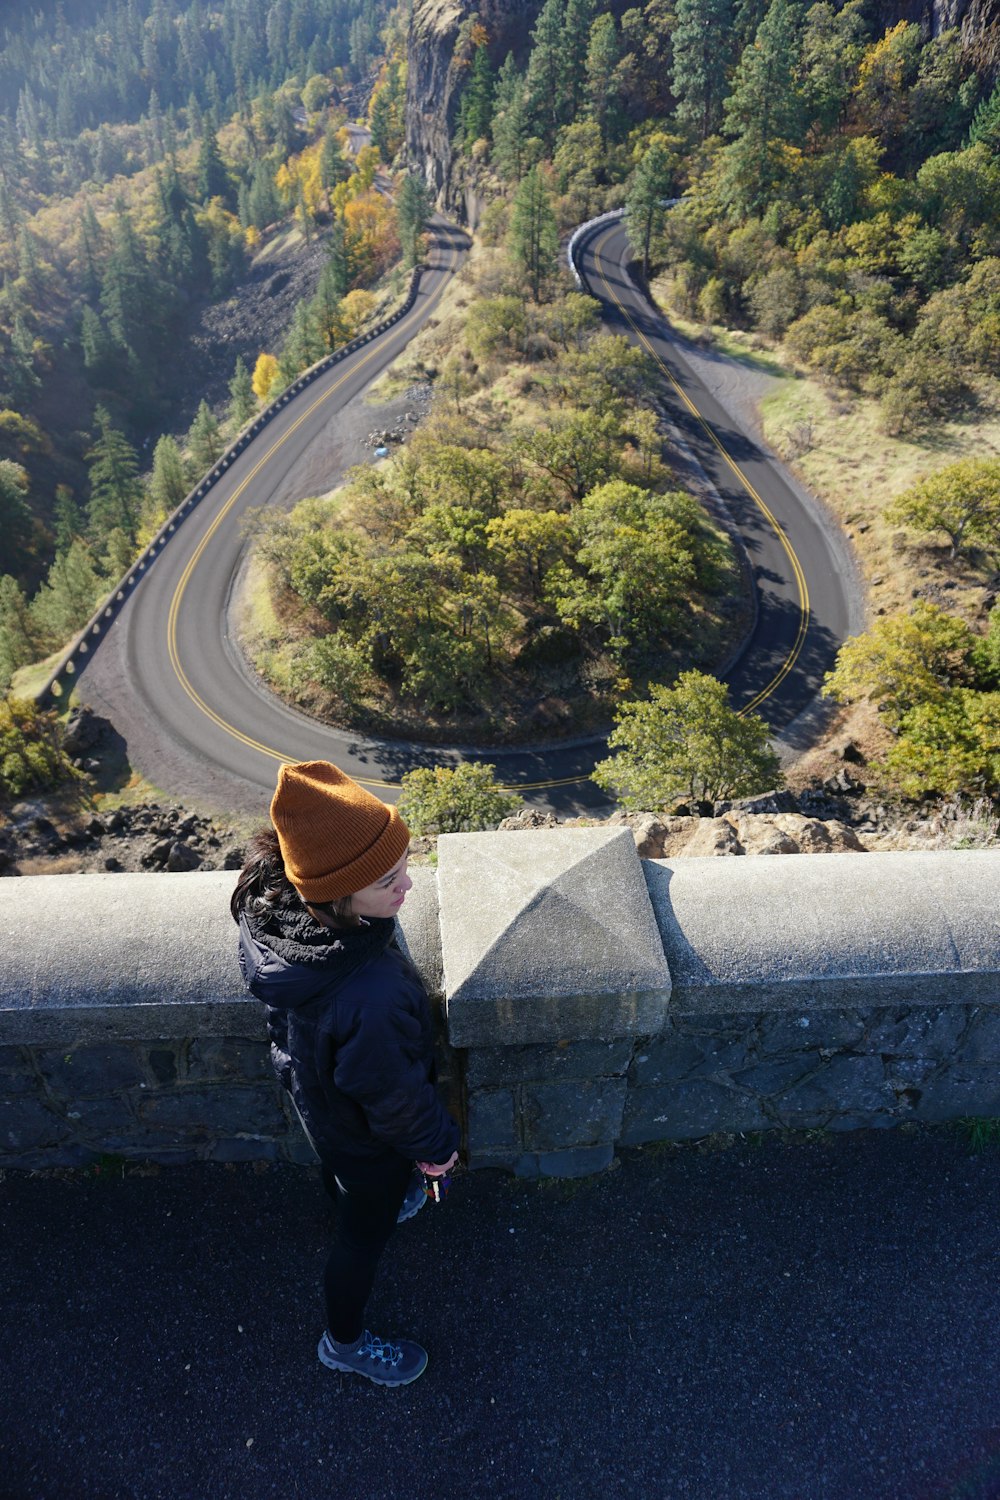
{"x": 66, "y": 599}
{"x": 651, "y": 182}
{"x": 764, "y": 109}
{"x": 242, "y": 403}
{"x": 986, "y": 122}
{"x": 509, "y": 126}
{"x": 534, "y": 236}
{"x": 412, "y": 210}
{"x": 168, "y": 482}
{"x": 544, "y": 71}
{"x": 17, "y": 645}
{"x": 702, "y": 59}
{"x": 115, "y": 488}
{"x": 67, "y": 519}
{"x": 326, "y": 307}
{"x": 475, "y": 110}
{"x": 579, "y": 17}
{"x": 204, "y": 439}
{"x": 603, "y": 55}
{"x": 212, "y": 179}
{"x": 15, "y": 516}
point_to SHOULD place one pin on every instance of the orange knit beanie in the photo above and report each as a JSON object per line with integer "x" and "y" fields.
{"x": 335, "y": 837}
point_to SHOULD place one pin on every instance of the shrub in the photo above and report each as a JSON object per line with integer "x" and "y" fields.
{"x": 436, "y": 799}
{"x": 30, "y": 756}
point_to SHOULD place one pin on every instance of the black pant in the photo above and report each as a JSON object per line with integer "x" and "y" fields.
{"x": 368, "y": 1196}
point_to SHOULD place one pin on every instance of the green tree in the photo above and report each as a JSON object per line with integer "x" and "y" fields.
{"x": 510, "y": 126}
{"x": 413, "y": 208}
{"x": 242, "y": 401}
{"x": 17, "y": 643}
{"x": 962, "y": 500}
{"x": 986, "y": 122}
{"x": 949, "y": 745}
{"x": 204, "y": 439}
{"x": 211, "y": 177}
{"x": 463, "y": 799}
{"x": 702, "y": 46}
{"x": 764, "y": 112}
{"x": 542, "y": 93}
{"x": 475, "y": 108}
{"x": 115, "y": 488}
{"x": 603, "y": 57}
{"x": 686, "y": 742}
{"x": 67, "y": 519}
{"x": 652, "y": 181}
{"x": 533, "y": 235}
{"x": 902, "y": 661}
{"x": 16, "y": 525}
{"x": 168, "y": 482}
{"x": 66, "y": 599}
{"x": 30, "y": 756}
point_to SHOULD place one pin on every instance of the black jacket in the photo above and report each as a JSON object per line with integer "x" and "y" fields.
{"x": 351, "y": 1036}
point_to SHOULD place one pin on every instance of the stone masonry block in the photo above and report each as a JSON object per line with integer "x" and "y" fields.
{"x": 557, "y": 1115}
{"x": 510, "y": 1065}
{"x": 809, "y": 1031}
{"x": 111, "y": 1116}
{"x": 210, "y": 1058}
{"x": 26, "y": 1125}
{"x": 491, "y": 1120}
{"x": 686, "y": 1111}
{"x": 75, "y": 1072}
{"x": 845, "y": 1085}
{"x": 229, "y": 1110}
{"x": 581, "y": 1162}
{"x": 17, "y": 1073}
{"x": 677, "y": 1055}
{"x": 251, "y": 1148}
{"x": 981, "y": 1043}
{"x": 548, "y": 936}
{"x": 960, "y": 1091}
{"x": 916, "y": 1033}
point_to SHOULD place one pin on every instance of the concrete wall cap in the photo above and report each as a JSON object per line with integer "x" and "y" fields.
{"x": 548, "y": 913}
{"x": 754, "y": 932}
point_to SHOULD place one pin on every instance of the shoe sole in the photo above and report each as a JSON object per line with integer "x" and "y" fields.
{"x": 412, "y": 1213}
{"x": 332, "y": 1364}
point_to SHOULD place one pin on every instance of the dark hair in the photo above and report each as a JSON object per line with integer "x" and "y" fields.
{"x": 263, "y": 883}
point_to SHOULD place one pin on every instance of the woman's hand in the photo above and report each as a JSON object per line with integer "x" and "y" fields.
{"x": 432, "y": 1169}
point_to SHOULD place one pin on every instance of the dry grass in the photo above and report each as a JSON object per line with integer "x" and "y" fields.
{"x": 835, "y": 445}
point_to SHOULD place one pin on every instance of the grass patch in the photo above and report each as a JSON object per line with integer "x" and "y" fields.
{"x": 980, "y": 1132}
{"x": 29, "y": 681}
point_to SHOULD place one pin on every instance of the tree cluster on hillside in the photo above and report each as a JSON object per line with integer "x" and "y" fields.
{"x": 837, "y": 187}
{"x": 937, "y": 686}
{"x": 496, "y": 553}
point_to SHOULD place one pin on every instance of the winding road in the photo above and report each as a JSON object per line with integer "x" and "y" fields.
{"x": 198, "y": 724}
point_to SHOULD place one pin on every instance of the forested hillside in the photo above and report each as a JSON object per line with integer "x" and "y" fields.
{"x": 827, "y": 179}
{"x": 149, "y": 151}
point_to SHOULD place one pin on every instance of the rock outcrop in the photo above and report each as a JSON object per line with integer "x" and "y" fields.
{"x": 435, "y": 78}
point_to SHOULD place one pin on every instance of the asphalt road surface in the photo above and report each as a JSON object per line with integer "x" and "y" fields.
{"x": 781, "y": 1321}
{"x": 199, "y": 725}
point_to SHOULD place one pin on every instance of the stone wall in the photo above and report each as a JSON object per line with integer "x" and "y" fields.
{"x": 587, "y": 999}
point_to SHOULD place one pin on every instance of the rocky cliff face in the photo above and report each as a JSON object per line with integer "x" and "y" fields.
{"x": 434, "y": 79}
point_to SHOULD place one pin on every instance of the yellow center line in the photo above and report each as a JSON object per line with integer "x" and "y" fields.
{"x": 175, "y": 604}
{"x": 800, "y": 577}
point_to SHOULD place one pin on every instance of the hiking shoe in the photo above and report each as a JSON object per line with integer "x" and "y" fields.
{"x": 415, "y": 1197}
{"x": 386, "y": 1364}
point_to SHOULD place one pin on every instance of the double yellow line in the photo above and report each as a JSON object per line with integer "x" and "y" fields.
{"x": 253, "y": 744}
{"x": 178, "y": 596}
{"x": 796, "y": 566}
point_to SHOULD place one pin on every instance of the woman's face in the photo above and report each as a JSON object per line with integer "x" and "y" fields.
{"x": 384, "y": 897}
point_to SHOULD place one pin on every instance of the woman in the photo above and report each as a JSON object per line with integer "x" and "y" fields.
{"x": 350, "y": 1030}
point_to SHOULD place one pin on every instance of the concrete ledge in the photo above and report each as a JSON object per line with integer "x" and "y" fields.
{"x": 548, "y": 936}
{"x": 829, "y": 931}
{"x": 94, "y": 957}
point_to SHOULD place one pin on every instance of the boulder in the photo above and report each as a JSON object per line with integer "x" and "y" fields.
{"x": 182, "y": 857}
{"x": 713, "y": 836}
{"x": 84, "y": 730}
